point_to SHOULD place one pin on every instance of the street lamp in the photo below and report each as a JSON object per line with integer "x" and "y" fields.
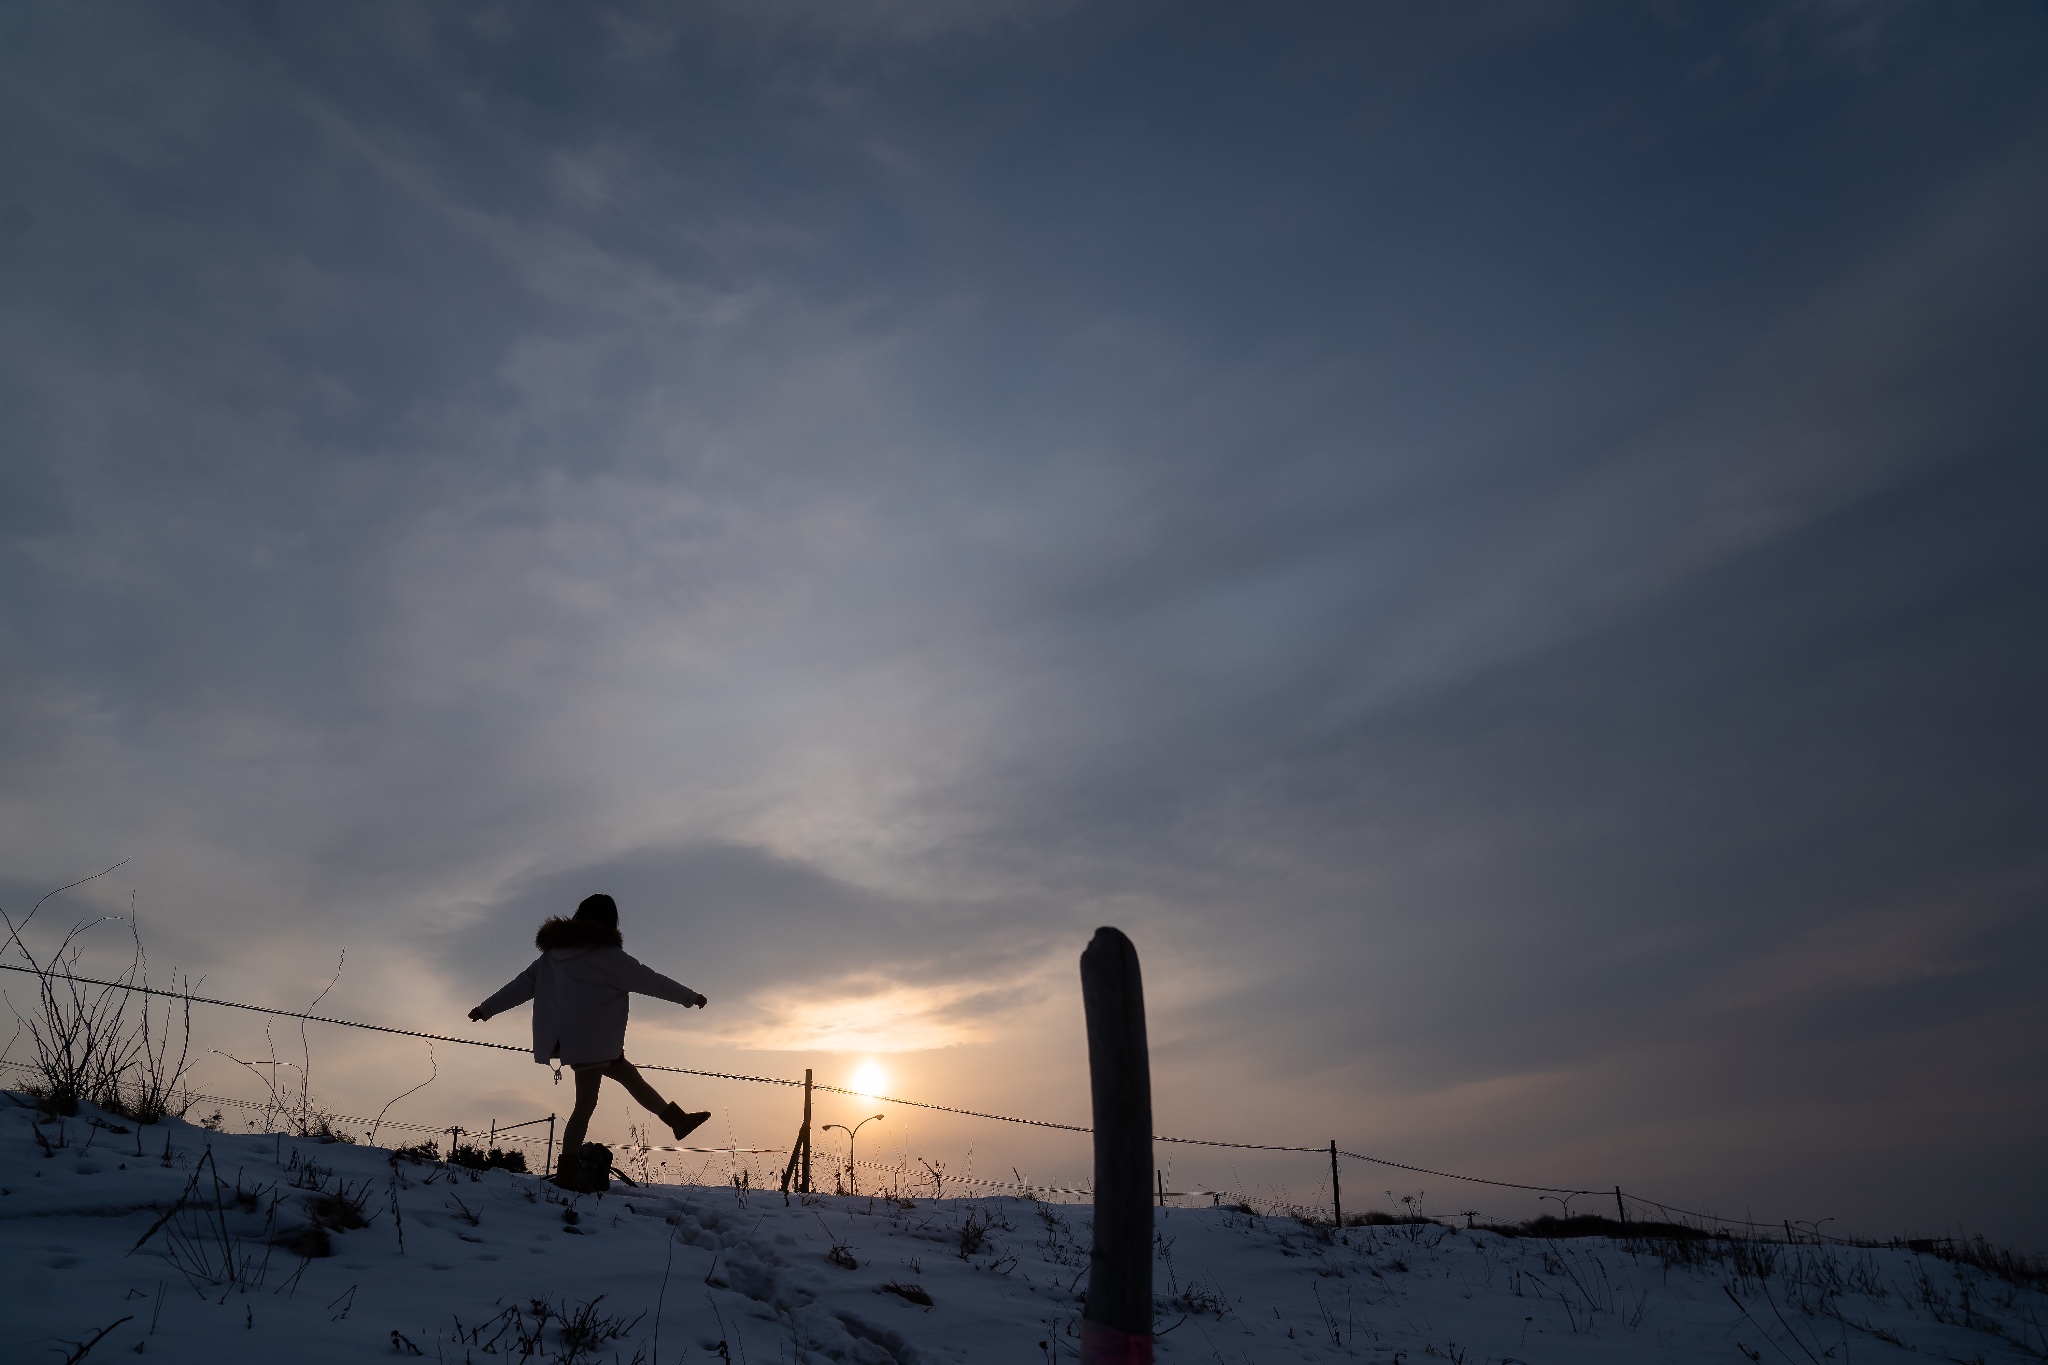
{"x": 852, "y": 1187}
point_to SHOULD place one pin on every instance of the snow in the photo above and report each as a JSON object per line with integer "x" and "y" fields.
{"x": 453, "y": 1264}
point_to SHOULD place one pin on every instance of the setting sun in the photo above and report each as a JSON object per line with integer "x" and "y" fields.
{"x": 869, "y": 1079}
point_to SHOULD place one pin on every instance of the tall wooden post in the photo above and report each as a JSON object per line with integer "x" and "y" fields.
{"x": 1116, "y": 1325}
{"x": 551, "y": 1144}
{"x": 807, "y": 1131}
{"x": 1336, "y": 1195}
{"x": 1620, "y": 1207}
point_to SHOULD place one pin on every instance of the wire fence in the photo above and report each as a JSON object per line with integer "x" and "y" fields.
{"x": 197, "y": 1098}
{"x": 1564, "y": 1194}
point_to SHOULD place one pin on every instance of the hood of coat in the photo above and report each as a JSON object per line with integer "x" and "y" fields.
{"x": 576, "y": 933}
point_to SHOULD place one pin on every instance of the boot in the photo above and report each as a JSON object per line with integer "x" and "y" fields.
{"x": 680, "y": 1123}
{"x": 569, "y": 1173}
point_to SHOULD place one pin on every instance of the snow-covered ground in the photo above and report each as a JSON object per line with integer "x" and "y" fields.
{"x": 459, "y": 1266}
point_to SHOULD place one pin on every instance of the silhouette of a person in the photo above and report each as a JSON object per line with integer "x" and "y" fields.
{"x": 580, "y": 986}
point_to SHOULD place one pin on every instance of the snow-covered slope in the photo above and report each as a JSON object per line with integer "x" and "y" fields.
{"x": 458, "y": 1266}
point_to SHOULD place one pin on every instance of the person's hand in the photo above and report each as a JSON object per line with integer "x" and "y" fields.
{"x": 478, "y": 1014}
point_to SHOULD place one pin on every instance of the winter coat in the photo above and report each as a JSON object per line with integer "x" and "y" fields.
{"x": 579, "y": 986}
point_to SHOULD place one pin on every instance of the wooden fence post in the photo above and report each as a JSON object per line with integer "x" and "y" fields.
{"x": 1116, "y": 1325}
{"x": 807, "y": 1131}
{"x": 1620, "y": 1207}
{"x": 1336, "y": 1195}
{"x": 799, "y": 1167}
{"x": 551, "y": 1145}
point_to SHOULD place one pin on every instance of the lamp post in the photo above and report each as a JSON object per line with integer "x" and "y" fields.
{"x": 851, "y": 1133}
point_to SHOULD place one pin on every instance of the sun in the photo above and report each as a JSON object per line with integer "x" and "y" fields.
{"x": 869, "y": 1079}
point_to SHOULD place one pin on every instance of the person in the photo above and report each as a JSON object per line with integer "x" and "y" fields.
{"x": 580, "y": 986}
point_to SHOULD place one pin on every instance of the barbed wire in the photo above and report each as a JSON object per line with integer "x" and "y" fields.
{"x": 1447, "y": 1175}
{"x": 1804, "y": 1227}
{"x": 272, "y": 1106}
{"x": 1668, "y": 1210}
{"x": 644, "y": 1066}
{"x": 949, "y": 1178}
{"x": 1794, "y": 1231}
{"x": 787, "y": 1082}
{"x": 490, "y": 1135}
{"x": 1026, "y": 1186}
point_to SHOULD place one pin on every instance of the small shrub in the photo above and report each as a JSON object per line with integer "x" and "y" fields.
{"x": 2010, "y": 1266}
{"x": 310, "y": 1242}
{"x": 320, "y": 1128}
{"x": 344, "y": 1210}
{"x": 1379, "y": 1218}
{"x": 198, "y": 1239}
{"x": 524, "y": 1333}
{"x": 496, "y": 1159}
{"x": 1593, "y": 1225}
{"x": 99, "y": 1043}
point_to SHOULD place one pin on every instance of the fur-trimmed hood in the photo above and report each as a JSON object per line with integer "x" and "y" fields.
{"x": 561, "y": 932}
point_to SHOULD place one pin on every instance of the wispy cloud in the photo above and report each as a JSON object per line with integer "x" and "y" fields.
{"x": 1500, "y": 542}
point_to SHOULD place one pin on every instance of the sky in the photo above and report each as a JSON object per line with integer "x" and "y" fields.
{"x": 1506, "y": 545}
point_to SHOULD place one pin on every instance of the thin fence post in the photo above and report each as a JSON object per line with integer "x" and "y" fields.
{"x": 1620, "y": 1207}
{"x": 1336, "y": 1195}
{"x": 551, "y": 1143}
{"x": 1160, "y": 1176}
{"x": 806, "y": 1139}
{"x": 1116, "y": 1326}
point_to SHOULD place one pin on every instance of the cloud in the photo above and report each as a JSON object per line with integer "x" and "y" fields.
{"x": 1499, "y": 595}
{"x": 879, "y": 1016}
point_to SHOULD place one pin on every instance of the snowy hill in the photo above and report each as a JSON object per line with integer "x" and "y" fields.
{"x": 199, "y": 1246}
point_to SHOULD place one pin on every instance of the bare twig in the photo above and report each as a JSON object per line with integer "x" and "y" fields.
{"x": 82, "y": 1348}
{"x": 378, "y": 1122}
{"x": 14, "y": 930}
{"x": 306, "y": 1050}
{"x": 659, "y": 1299}
{"x": 156, "y": 1076}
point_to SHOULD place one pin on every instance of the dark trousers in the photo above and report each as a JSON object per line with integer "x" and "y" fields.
{"x": 590, "y": 1075}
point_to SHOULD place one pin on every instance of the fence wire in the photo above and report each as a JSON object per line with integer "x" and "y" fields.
{"x": 1564, "y": 1191}
{"x": 273, "y": 1107}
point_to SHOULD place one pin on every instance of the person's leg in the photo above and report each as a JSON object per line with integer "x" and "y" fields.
{"x": 628, "y": 1075}
{"x": 588, "y": 1078}
{"x": 679, "y": 1123}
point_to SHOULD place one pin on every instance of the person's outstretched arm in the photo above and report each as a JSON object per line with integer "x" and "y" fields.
{"x": 517, "y": 991}
{"x": 635, "y": 975}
